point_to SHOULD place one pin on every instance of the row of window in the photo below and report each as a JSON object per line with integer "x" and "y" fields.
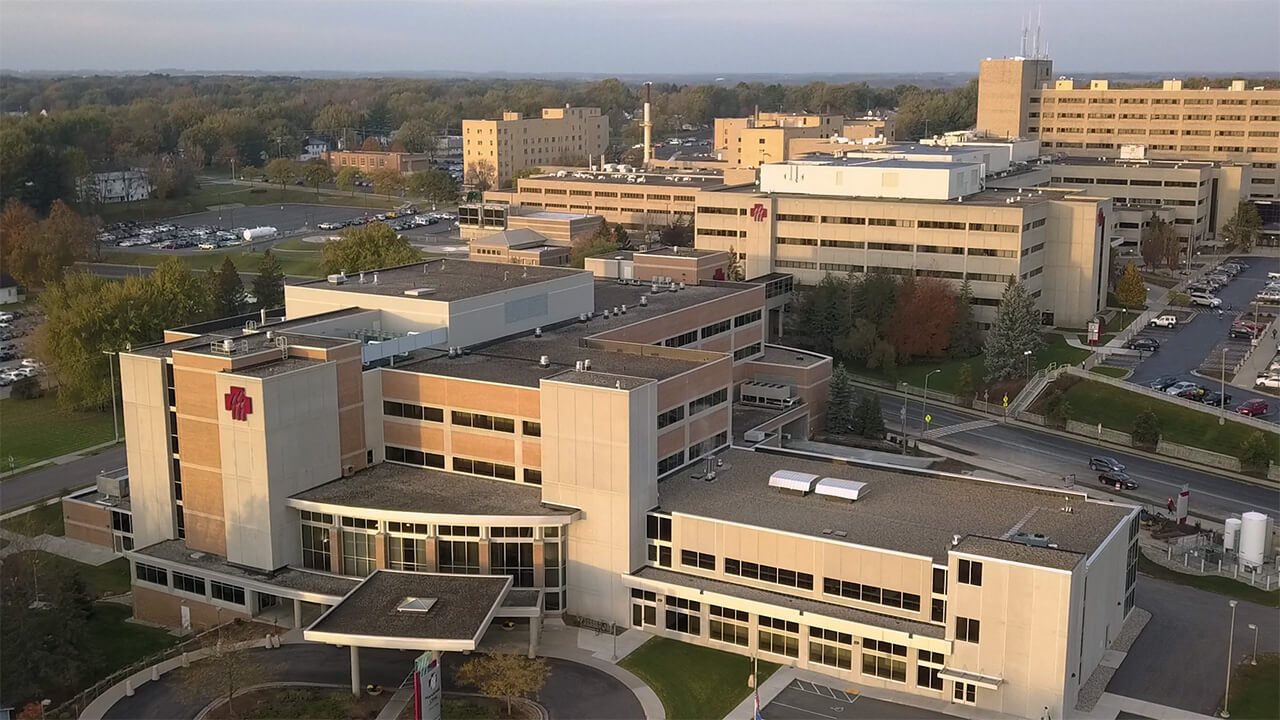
{"x": 708, "y": 401}
{"x": 897, "y": 247}
{"x": 871, "y": 594}
{"x": 224, "y": 592}
{"x": 413, "y": 411}
{"x": 768, "y": 573}
{"x": 743, "y": 353}
{"x": 703, "y": 447}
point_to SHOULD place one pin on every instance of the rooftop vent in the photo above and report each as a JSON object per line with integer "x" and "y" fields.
{"x": 544, "y": 361}
{"x": 416, "y": 605}
{"x": 1032, "y": 539}
{"x": 839, "y": 489}
{"x": 586, "y": 364}
{"x": 420, "y": 292}
{"x": 337, "y": 278}
{"x": 792, "y": 481}
{"x": 537, "y": 332}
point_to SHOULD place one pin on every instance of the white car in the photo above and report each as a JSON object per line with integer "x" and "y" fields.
{"x": 1268, "y": 381}
{"x": 1273, "y": 276}
{"x": 1269, "y": 296}
{"x": 1179, "y": 387}
{"x": 1164, "y": 321}
{"x": 1205, "y": 299}
{"x": 32, "y": 363}
{"x": 6, "y": 317}
{"x": 207, "y": 245}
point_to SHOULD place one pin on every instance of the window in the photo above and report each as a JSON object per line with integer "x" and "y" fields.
{"x": 938, "y": 610}
{"x": 927, "y": 666}
{"x": 890, "y": 222}
{"x": 683, "y": 616}
{"x": 993, "y": 227}
{"x": 884, "y": 659}
{"x": 716, "y": 328}
{"x": 459, "y": 557}
{"x": 731, "y": 626}
{"x": 405, "y": 553}
{"x": 658, "y": 527}
{"x": 871, "y": 593}
{"x": 644, "y": 608}
{"x": 746, "y": 318}
{"x": 896, "y": 247}
{"x": 481, "y": 421}
{"x": 786, "y": 639}
{"x": 674, "y": 415}
{"x": 940, "y": 249}
{"x": 966, "y": 693}
{"x": 966, "y": 629}
{"x": 514, "y": 559}
{"x": 795, "y": 264}
{"x": 828, "y": 647}
{"x": 392, "y": 408}
{"x": 458, "y": 530}
{"x": 703, "y": 447}
{"x": 121, "y": 521}
{"x": 315, "y": 547}
{"x": 940, "y": 581}
{"x": 484, "y": 468}
{"x": 233, "y": 594}
{"x": 151, "y": 574}
{"x": 409, "y": 456}
{"x": 970, "y": 572}
{"x": 358, "y": 553}
{"x": 789, "y": 217}
{"x": 531, "y": 428}
{"x": 702, "y": 561}
{"x": 188, "y": 583}
{"x": 681, "y": 340}
{"x": 843, "y": 220}
{"x": 768, "y": 573}
{"x": 533, "y": 476}
{"x": 745, "y": 352}
{"x": 988, "y": 252}
{"x": 708, "y": 401}
{"x": 671, "y": 462}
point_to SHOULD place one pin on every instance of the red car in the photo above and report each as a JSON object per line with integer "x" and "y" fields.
{"x": 1253, "y": 408}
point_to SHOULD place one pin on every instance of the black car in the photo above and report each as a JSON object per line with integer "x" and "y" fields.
{"x": 1164, "y": 382}
{"x": 1118, "y": 480}
{"x": 1241, "y": 333}
{"x": 1105, "y": 464}
{"x": 1145, "y": 344}
{"x": 1216, "y": 399}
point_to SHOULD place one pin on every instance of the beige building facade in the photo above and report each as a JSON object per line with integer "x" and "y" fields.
{"x": 769, "y": 137}
{"x": 1233, "y": 124}
{"x": 560, "y": 136}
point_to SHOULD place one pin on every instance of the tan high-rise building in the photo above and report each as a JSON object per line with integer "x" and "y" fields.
{"x": 1233, "y": 124}
{"x": 561, "y": 136}
{"x": 767, "y": 137}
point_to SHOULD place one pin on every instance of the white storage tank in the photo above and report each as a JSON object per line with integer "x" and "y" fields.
{"x": 1253, "y": 539}
{"x": 1231, "y": 534}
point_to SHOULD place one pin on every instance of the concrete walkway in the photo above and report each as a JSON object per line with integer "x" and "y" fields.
{"x": 78, "y": 550}
{"x": 596, "y": 650}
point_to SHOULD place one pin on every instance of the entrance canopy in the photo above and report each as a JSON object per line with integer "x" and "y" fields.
{"x": 968, "y": 676}
{"x": 413, "y": 611}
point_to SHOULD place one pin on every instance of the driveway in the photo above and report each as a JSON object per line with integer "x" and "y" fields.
{"x": 573, "y": 692}
{"x": 1180, "y": 658}
{"x": 803, "y": 700}
{"x": 56, "y": 479}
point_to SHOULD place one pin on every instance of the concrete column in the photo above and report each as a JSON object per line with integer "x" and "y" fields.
{"x": 380, "y": 551}
{"x": 535, "y": 629}
{"x": 297, "y": 613}
{"x": 356, "y": 687}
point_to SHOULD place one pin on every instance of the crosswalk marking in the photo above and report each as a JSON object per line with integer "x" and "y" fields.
{"x": 824, "y": 691}
{"x": 957, "y": 428}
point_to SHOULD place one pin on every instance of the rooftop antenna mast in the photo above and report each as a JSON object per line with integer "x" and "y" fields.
{"x": 1022, "y": 49}
{"x": 1035, "y": 49}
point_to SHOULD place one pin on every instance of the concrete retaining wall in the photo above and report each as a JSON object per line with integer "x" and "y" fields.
{"x": 1098, "y": 432}
{"x": 1196, "y": 455}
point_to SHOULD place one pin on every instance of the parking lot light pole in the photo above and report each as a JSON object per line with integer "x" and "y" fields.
{"x": 1222, "y": 391}
{"x": 924, "y": 400}
{"x": 1027, "y": 355}
{"x": 1254, "y": 628}
{"x": 1230, "y": 637}
{"x": 115, "y": 418}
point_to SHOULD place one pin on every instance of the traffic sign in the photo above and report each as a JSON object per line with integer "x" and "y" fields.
{"x": 928, "y": 419}
{"x": 1006, "y": 400}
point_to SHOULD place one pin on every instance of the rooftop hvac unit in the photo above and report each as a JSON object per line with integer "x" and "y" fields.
{"x": 839, "y": 489}
{"x": 1032, "y": 539}
{"x": 337, "y": 279}
{"x": 419, "y": 292}
{"x": 792, "y": 481}
{"x": 754, "y": 436}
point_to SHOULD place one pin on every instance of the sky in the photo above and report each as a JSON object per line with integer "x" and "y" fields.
{"x": 634, "y": 36}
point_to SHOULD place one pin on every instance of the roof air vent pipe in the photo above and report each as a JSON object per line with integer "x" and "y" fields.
{"x": 544, "y": 361}
{"x": 606, "y": 313}
{"x": 453, "y": 352}
{"x": 578, "y": 366}
{"x": 361, "y": 277}
{"x": 955, "y": 540}
{"x": 262, "y": 315}
{"x": 375, "y": 278}
{"x": 644, "y": 300}
{"x": 537, "y": 332}
{"x": 615, "y": 310}
{"x": 624, "y": 309}
{"x": 586, "y": 364}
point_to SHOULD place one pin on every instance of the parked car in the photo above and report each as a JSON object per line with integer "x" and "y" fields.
{"x": 32, "y": 362}
{"x": 1194, "y": 392}
{"x": 1118, "y": 480}
{"x": 1145, "y": 344}
{"x": 1241, "y": 333}
{"x": 1267, "y": 381}
{"x": 1165, "y": 321}
{"x": 1214, "y": 398}
{"x": 1269, "y": 296}
{"x": 1164, "y": 382}
{"x": 1254, "y": 407}
{"x": 1180, "y": 387}
{"x": 1205, "y": 299}
{"x": 1104, "y": 463}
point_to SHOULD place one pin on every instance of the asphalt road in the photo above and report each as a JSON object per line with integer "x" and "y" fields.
{"x": 803, "y": 700}
{"x": 57, "y": 479}
{"x": 1032, "y": 450}
{"x": 1180, "y": 658}
{"x": 1184, "y": 349}
{"x": 572, "y": 692}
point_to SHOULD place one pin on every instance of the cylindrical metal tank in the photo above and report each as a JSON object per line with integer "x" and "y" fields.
{"x": 1231, "y": 534}
{"x": 1253, "y": 537}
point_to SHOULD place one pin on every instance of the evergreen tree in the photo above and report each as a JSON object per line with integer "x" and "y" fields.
{"x": 966, "y": 337}
{"x": 964, "y": 383}
{"x": 227, "y": 289}
{"x": 1131, "y": 292}
{"x": 268, "y": 286}
{"x": 1015, "y": 331}
{"x": 734, "y": 272}
{"x": 839, "y": 401}
{"x": 1146, "y": 429}
{"x": 871, "y": 417}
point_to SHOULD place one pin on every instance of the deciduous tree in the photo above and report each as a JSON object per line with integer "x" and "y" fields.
{"x": 480, "y": 175}
{"x": 1257, "y": 450}
{"x": 418, "y": 136}
{"x": 386, "y": 180}
{"x": 1131, "y": 291}
{"x": 1160, "y": 246}
{"x": 368, "y": 247}
{"x": 37, "y": 252}
{"x": 504, "y": 675}
{"x": 435, "y": 186}
{"x": 1146, "y": 429}
{"x": 1015, "y": 332}
{"x": 347, "y": 178}
{"x": 598, "y": 243}
{"x": 268, "y": 286}
{"x": 734, "y": 270}
{"x": 678, "y": 234}
{"x": 1242, "y": 228}
{"x": 281, "y": 170}
{"x": 371, "y": 144}
{"x": 317, "y": 173}
{"x": 224, "y": 671}
{"x": 924, "y": 312}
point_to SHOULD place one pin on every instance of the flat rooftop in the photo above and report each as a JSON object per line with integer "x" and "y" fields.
{"x": 551, "y": 215}
{"x": 878, "y": 162}
{"x": 815, "y": 607}
{"x": 780, "y": 355}
{"x": 176, "y": 551}
{"x": 991, "y": 197}
{"x": 389, "y": 486}
{"x": 248, "y": 343}
{"x": 696, "y": 179}
{"x": 450, "y": 278}
{"x": 457, "y": 607}
{"x": 1094, "y": 161}
{"x": 910, "y": 512}
{"x": 1020, "y": 552}
{"x": 680, "y": 252}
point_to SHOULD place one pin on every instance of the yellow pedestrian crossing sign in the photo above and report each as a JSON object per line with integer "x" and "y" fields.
{"x": 1006, "y": 400}
{"x": 928, "y": 419}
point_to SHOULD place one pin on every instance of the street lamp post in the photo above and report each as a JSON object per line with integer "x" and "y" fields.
{"x": 115, "y": 417}
{"x": 924, "y": 400}
{"x": 1230, "y": 651}
{"x": 1026, "y": 355}
{"x": 902, "y": 414}
{"x": 1222, "y": 390}
{"x": 1254, "y": 628}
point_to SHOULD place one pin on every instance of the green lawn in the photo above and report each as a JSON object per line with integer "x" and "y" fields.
{"x": 292, "y": 262}
{"x": 108, "y": 579}
{"x": 1056, "y": 351}
{"x": 1109, "y": 371}
{"x": 34, "y": 430}
{"x": 121, "y": 643}
{"x": 44, "y": 520}
{"x": 693, "y": 681}
{"x": 1210, "y": 583}
{"x": 224, "y": 194}
{"x": 1253, "y": 689}
{"x": 1180, "y": 422}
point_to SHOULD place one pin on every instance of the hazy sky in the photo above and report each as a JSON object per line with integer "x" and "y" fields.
{"x": 633, "y": 36}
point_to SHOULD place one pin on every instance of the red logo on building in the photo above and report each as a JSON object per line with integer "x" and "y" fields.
{"x": 239, "y": 403}
{"x": 758, "y": 213}
{"x": 1102, "y": 218}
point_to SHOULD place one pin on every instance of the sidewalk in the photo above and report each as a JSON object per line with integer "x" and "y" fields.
{"x": 596, "y": 650}
{"x": 78, "y": 550}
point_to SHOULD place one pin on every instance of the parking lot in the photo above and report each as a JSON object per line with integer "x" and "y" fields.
{"x": 1197, "y": 342}
{"x": 804, "y": 700}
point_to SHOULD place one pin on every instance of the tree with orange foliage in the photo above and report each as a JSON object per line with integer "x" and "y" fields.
{"x": 924, "y": 313}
